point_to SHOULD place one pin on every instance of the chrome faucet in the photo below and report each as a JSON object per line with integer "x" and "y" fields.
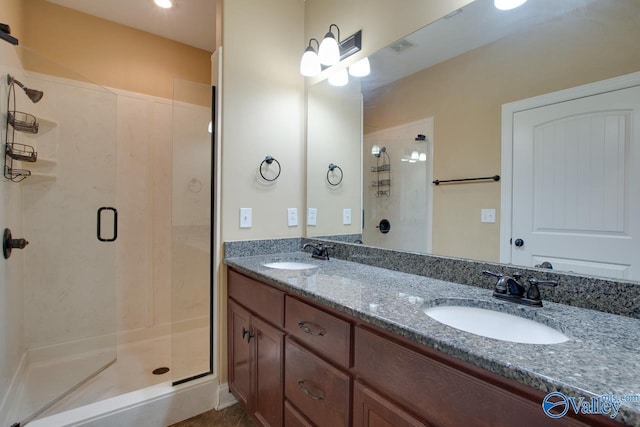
{"x": 509, "y": 289}
{"x": 319, "y": 251}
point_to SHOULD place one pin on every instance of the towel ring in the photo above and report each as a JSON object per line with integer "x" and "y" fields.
{"x": 268, "y": 160}
{"x": 332, "y": 168}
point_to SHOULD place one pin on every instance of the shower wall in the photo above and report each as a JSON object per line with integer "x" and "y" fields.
{"x": 55, "y": 319}
{"x": 153, "y": 188}
{"x": 12, "y": 343}
{"x": 408, "y": 206}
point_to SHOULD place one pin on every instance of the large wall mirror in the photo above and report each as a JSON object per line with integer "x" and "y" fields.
{"x": 432, "y": 109}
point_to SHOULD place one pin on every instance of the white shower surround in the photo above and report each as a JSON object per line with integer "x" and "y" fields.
{"x": 143, "y": 253}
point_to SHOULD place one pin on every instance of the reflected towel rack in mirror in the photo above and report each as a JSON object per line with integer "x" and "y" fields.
{"x": 484, "y": 178}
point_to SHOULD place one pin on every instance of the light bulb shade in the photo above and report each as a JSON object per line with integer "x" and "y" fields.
{"x": 361, "y": 68}
{"x": 339, "y": 78}
{"x": 309, "y": 64}
{"x": 210, "y": 127}
{"x": 415, "y": 155}
{"x": 329, "y": 51}
{"x": 375, "y": 150}
{"x": 508, "y": 4}
{"x": 423, "y": 157}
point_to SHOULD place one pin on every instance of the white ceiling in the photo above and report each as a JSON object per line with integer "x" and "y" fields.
{"x": 192, "y": 22}
{"x": 477, "y": 24}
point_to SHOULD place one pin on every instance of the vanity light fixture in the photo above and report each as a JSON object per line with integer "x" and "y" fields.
{"x": 165, "y": 4}
{"x": 339, "y": 78}
{"x": 508, "y": 4}
{"x": 330, "y": 52}
{"x": 361, "y": 68}
{"x": 310, "y": 64}
{"x": 422, "y": 157}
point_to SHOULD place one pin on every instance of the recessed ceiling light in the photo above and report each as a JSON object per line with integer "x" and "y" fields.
{"x": 165, "y": 4}
{"x": 508, "y": 4}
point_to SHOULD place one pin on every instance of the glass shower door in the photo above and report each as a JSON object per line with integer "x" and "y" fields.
{"x": 191, "y": 231}
{"x": 70, "y": 221}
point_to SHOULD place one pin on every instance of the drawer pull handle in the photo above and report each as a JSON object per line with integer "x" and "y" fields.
{"x": 307, "y": 392}
{"x": 317, "y": 331}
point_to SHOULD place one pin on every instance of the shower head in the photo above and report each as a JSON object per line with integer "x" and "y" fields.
{"x": 33, "y": 94}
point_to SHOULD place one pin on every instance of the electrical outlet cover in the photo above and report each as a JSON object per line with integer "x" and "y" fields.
{"x": 245, "y": 217}
{"x": 312, "y": 216}
{"x": 292, "y": 217}
{"x": 346, "y": 216}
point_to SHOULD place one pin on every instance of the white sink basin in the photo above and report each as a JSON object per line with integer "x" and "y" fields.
{"x": 495, "y": 324}
{"x": 290, "y": 265}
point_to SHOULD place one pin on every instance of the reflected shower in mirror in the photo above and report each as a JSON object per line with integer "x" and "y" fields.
{"x": 457, "y": 73}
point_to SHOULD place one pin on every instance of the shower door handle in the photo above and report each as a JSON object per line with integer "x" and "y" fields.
{"x": 115, "y": 224}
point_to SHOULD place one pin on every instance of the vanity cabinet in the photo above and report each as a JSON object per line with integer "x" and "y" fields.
{"x": 296, "y": 363}
{"x": 255, "y": 364}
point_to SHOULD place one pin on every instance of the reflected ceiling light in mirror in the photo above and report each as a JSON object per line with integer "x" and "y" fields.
{"x": 329, "y": 50}
{"x": 210, "y": 127}
{"x": 508, "y": 4}
{"x": 361, "y": 68}
{"x": 339, "y": 78}
{"x": 165, "y": 4}
{"x": 310, "y": 63}
{"x": 377, "y": 151}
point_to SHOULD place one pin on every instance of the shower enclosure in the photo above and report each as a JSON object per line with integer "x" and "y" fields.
{"x": 113, "y": 291}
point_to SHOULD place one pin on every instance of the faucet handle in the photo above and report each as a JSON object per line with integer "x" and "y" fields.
{"x": 491, "y": 273}
{"x": 533, "y": 293}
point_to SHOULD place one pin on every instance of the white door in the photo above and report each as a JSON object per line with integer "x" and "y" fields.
{"x": 576, "y": 185}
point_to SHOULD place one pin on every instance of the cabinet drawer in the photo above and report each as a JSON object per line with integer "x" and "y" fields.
{"x": 319, "y": 391}
{"x": 262, "y": 299}
{"x": 442, "y": 395}
{"x": 319, "y": 330}
{"x": 293, "y": 418}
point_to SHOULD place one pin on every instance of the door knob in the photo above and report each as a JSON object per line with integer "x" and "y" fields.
{"x": 519, "y": 242}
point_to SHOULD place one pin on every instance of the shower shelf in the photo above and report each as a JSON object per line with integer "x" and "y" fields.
{"x": 23, "y": 122}
{"x": 25, "y": 153}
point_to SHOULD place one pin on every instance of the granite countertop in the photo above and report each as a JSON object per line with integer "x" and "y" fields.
{"x": 602, "y": 356}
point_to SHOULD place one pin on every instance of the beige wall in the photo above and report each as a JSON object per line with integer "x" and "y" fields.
{"x": 111, "y": 54}
{"x": 11, "y": 14}
{"x": 262, "y": 114}
{"x": 465, "y": 95}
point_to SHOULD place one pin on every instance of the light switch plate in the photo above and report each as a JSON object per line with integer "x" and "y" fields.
{"x": 312, "y": 216}
{"x": 346, "y": 216}
{"x": 292, "y": 217}
{"x": 488, "y": 215}
{"x": 245, "y": 217}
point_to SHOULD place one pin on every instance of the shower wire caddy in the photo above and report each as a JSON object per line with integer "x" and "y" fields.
{"x": 382, "y": 169}
{"x": 14, "y": 151}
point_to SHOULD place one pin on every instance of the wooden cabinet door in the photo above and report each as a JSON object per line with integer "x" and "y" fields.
{"x": 239, "y": 353}
{"x": 269, "y": 373}
{"x": 372, "y": 410}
